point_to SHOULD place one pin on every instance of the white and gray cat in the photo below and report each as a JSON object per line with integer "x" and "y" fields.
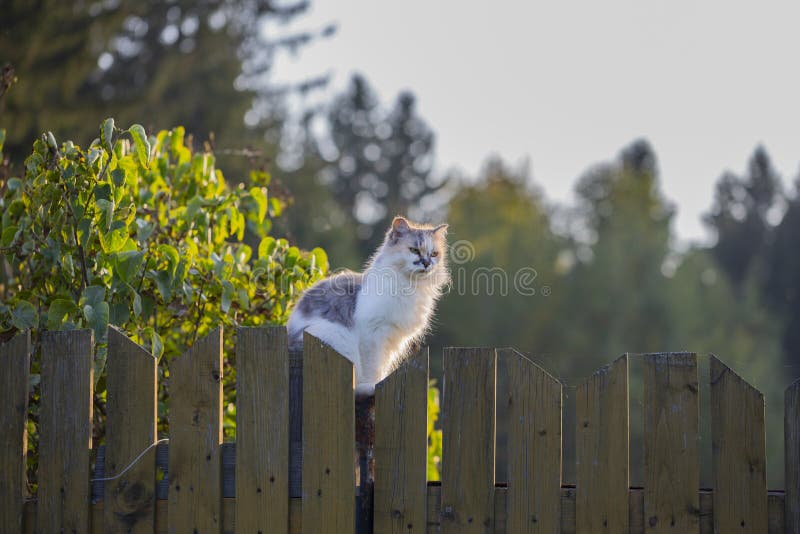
{"x": 373, "y": 318}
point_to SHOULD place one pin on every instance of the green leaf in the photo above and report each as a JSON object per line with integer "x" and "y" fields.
{"x": 51, "y": 141}
{"x": 113, "y": 240}
{"x": 119, "y": 313}
{"x": 8, "y": 236}
{"x": 227, "y": 293}
{"x": 107, "y": 133}
{"x": 163, "y": 281}
{"x": 137, "y": 304}
{"x": 157, "y": 345}
{"x": 141, "y": 144}
{"x": 320, "y": 259}
{"x": 93, "y": 295}
{"x": 118, "y": 177}
{"x": 24, "y": 315}
{"x": 13, "y": 184}
{"x": 261, "y": 201}
{"x": 58, "y": 311}
{"x": 172, "y": 256}
{"x": 126, "y": 264}
{"x": 266, "y": 247}
{"x": 97, "y": 318}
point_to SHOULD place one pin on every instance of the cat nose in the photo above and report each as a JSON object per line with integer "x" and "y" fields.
{"x": 425, "y": 262}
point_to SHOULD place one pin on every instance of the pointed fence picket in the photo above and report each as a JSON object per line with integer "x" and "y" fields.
{"x": 292, "y": 469}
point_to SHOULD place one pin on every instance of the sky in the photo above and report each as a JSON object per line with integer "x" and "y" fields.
{"x": 568, "y": 84}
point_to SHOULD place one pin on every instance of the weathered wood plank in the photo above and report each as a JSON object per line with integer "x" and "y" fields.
{"x": 468, "y": 432}
{"x": 15, "y": 358}
{"x": 195, "y": 430}
{"x": 602, "y": 450}
{"x": 65, "y": 431}
{"x": 262, "y": 429}
{"x": 131, "y": 419}
{"x": 738, "y": 448}
{"x": 534, "y": 446}
{"x": 328, "y": 440}
{"x": 401, "y": 402}
{"x": 791, "y": 436}
{"x": 671, "y": 452}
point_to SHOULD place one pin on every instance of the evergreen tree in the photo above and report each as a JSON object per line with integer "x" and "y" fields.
{"x": 200, "y": 64}
{"x": 380, "y": 161}
{"x": 782, "y": 279}
{"x": 739, "y": 216}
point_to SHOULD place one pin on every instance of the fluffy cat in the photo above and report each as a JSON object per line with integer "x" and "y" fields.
{"x": 373, "y": 318}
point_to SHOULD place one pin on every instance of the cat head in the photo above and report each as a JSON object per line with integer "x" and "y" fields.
{"x": 415, "y": 249}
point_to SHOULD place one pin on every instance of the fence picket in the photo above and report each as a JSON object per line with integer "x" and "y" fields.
{"x": 131, "y": 419}
{"x": 468, "y": 432}
{"x": 738, "y": 445}
{"x": 195, "y": 435}
{"x": 791, "y": 436}
{"x": 262, "y": 430}
{"x": 602, "y": 450}
{"x": 65, "y": 431}
{"x": 671, "y": 456}
{"x": 15, "y": 356}
{"x": 533, "y": 500}
{"x": 328, "y": 440}
{"x": 401, "y": 402}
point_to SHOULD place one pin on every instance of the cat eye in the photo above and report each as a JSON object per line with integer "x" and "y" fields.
{"x": 434, "y": 254}
{"x": 414, "y": 250}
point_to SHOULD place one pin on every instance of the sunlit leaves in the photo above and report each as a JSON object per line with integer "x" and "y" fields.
{"x": 140, "y": 232}
{"x": 142, "y": 145}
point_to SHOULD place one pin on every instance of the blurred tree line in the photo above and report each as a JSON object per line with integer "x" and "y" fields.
{"x": 583, "y": 283}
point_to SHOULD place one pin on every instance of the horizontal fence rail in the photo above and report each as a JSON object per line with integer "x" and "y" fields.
{"x": 293, "y": 466}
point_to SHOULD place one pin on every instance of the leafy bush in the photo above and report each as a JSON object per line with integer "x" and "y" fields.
{"x": 143, "y": 233}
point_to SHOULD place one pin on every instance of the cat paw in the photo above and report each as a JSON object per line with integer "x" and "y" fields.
{"x": 365, "y": 389}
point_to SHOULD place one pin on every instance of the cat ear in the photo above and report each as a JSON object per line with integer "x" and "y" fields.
{"x": 441, "y": 228}
{"x": 399, "y": 225}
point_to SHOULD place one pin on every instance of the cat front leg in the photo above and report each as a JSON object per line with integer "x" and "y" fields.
{"x": 373, "y": 358}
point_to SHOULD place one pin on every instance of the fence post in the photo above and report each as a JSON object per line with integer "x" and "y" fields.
{"x": 601, "y": 502}
{"x": 791, "y": 436}
{"x": 401, "y": 402}
{"x": 328, "y": 447}
{"x": 15, "y": 358}
{"x": 131, "y": 419}
{"x": 468, "y": 444}
{"x": 65, "y": 431}
{"x": 533, "y": 500}
{"x": 195, "y": 437}
{"x": 671, "y": 452}
{"x": 738, "y": 448}
{"x": 262, "y": 430}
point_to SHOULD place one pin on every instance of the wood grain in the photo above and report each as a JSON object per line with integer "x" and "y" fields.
{"x": 195, "y": 436}
{"x": 262, "y": 429}
{"x": 401, "y": 402}
{"x": 468, "y": 434}
{"x": 131, "y": 419}
{"x": 671, "y": 452}
{"x": 328, "y": 440}
{"x": 15, "y": 357}
{"x": 602, "y": 450}
{"x": 738, "y": 449}
{"x": 65, "y": 431}
{"x": 533, "y": 501}
{"x": 791, "y": 436}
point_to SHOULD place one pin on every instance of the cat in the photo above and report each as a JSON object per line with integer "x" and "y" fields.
{"x": 374, "y": 318}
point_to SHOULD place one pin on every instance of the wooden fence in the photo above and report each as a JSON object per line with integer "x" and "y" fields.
{"x": 279, "y": 478}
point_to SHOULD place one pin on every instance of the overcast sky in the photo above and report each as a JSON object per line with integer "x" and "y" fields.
{"x": 568, "y": 84}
